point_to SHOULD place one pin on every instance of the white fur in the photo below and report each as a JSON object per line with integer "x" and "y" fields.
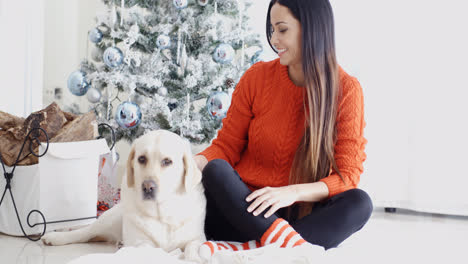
{"x": 174, "y": 219}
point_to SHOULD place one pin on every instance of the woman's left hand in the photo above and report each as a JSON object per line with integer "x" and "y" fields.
{"x": 273, "y": 197}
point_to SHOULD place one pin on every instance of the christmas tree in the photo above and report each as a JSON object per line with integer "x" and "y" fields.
{"x": 166, "y": 64}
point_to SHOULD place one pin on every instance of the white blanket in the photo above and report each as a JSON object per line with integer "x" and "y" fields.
{"x": 303, "y": 254}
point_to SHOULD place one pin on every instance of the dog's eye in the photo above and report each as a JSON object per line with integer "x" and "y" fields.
{"x": 166, "y": 162}
{"x": 142, "y": 160}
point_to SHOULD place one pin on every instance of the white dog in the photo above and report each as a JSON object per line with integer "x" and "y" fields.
{"x": 163, "y": 202}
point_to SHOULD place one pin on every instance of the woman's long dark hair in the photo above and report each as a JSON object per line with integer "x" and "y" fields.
{"x": 315, "y": 155}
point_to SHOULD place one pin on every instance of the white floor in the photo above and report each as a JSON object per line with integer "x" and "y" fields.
{"x": 402, "y": 237}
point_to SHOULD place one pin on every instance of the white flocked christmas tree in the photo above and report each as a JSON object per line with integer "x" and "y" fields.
{"x": 166, "y": 64}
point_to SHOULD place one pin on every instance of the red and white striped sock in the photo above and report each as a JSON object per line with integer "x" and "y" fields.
{"x": 210, "y": 247}
{"x": 279, "y": 232}
{"x": 282, "y": 233}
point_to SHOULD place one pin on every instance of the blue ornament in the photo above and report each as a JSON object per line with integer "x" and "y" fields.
{"x": 258, "y": 56}
{"x": 223, "y": 54}
{"x": 77, "y": 83}
{"x": 180, "y": 4}
{"x": 163, "y": 41}
{"x": 218, "y": 104}
{"x": 128, "y": 115}
{"x": 95, "y": 35}
{"x": 113, "y": 57}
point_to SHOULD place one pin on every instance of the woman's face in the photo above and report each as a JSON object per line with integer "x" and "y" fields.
{"x": 286, "y": 36}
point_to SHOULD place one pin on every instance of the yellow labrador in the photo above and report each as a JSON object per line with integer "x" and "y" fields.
{"x": 163, "y": 202}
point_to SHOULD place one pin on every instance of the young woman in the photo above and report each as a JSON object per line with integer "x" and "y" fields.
{"x": 285, "y": 166}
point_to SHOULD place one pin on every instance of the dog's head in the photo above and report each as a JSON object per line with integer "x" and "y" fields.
{"x": 160, "y": 164}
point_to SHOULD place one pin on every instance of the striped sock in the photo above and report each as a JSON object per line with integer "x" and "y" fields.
{"x": 279, "y": 232}
{"x": 210, "y": 247}
{"x": 282, "y": 233}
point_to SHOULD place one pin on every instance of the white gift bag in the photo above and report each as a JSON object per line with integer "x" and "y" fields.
{"x": 63, "y": 186}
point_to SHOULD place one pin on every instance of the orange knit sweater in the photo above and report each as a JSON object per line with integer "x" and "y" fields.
{"x": 265, "y": 124}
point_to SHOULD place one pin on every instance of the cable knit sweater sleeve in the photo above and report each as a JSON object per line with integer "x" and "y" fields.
{"x": 349, "y": 147}
{"x": 232, "y": 137}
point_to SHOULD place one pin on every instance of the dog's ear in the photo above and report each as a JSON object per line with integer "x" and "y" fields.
{"x": 193, "y": 175}
{"x": 130, "y": 169}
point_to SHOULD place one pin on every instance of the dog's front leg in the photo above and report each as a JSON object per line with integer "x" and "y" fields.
{"x": 191, "y": 251}
{"x": 106, "y": 228}
{"x": 139, "y": 231}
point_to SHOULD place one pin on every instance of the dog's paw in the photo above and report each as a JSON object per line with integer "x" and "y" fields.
{"x": 191, "y": 253}
{"x": 54, "y": 239}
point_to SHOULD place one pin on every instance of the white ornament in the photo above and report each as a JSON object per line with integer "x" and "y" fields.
{"x": 183, "y": 60}
{"x": 179, "y": 36}
{"x": 162, "y": 91}
{"x": 122, "y": 8}
{"x": 133, "y": 35}
{"x": 133, "y": 58}
{"x": 113, "y": 16}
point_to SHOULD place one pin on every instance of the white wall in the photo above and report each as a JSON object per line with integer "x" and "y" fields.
{"x": 410, "y": 57}
{"x": 258, "y": 13}
{"x": 21, "y": 56}
{"x": 66, "y": 44}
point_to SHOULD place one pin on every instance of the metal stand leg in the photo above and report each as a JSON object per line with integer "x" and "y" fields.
{"x": 32, "y": 238}
{"x": 9, "y": 175}
{"x": 390, "y": 210}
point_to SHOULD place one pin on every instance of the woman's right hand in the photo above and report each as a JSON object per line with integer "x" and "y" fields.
{"x": 201, "y": 161}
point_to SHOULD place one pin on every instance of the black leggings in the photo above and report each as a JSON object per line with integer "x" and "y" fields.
{"x": 330, "y": 222}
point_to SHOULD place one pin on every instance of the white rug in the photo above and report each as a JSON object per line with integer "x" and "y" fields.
{"x": 303, "y": 254}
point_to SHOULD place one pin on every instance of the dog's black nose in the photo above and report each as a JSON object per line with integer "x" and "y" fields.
{"x": 149, "y": 189}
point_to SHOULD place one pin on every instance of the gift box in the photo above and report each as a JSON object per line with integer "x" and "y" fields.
{"x": 63, "y": 186}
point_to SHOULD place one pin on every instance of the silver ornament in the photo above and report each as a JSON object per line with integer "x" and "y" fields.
{"x": 94, "y": 95}
{"x": 96, "y": 54}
